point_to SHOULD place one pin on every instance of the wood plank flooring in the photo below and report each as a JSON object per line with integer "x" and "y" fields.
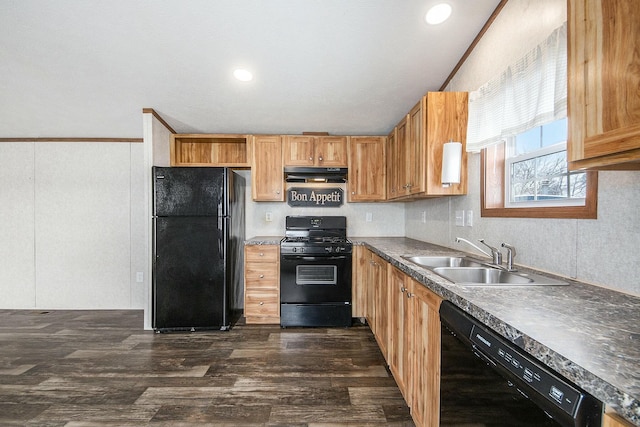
{"x": 86, "y": 368}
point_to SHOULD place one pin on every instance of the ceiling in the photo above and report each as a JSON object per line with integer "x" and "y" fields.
{"x": 77, "y": 68}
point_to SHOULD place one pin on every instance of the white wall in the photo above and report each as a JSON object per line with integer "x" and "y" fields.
{"x": 602, "y": 251}
{"x": 66, "y": 219}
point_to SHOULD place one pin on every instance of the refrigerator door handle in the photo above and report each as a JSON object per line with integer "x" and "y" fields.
{"x": 221, "y": 237}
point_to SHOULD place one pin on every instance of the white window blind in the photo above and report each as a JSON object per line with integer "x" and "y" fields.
{"x": 529, "y": 93}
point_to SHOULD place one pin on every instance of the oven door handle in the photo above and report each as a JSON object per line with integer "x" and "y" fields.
{"x": 312, "y": 258}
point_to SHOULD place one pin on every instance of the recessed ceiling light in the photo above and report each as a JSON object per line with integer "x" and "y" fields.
{"x": 243, "y": 75}
{"x": 438, "y": 14}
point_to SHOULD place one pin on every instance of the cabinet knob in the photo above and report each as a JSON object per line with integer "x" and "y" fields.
{"x": 261, "y": 302}
{"x": 402, "y": 289}
{"x": 311, "y": 158}
{"x": 353, "y": 192}
{"x": 277, "y": 191}
{"x": 320, "y": 158}
{"x": 261, "y": 253}
{"x": 409, "y": 294}
{"x": 262, "y": 276}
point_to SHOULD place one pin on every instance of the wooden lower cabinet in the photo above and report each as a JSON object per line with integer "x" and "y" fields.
{"x": 358, "y": 282}
{"x": 380, "y": 301}
{"x": 400, "y": 330}
{"x": 614, "y": 420}
{"x": 262, "y": 284}
{"x": 404, "y": 317}
{"x": 424, "y": 355}
{"x": 376, "y": 295}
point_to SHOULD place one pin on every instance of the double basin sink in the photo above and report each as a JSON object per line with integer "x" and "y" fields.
{"x": 468, "y": 271}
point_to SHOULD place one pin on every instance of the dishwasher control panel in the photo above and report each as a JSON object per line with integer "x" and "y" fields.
{"x": 536, "y": 376}
{"x": 557, "y": 396}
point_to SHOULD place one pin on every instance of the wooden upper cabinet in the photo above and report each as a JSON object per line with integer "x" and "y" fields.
{"x": 267, "y": 178}
{"x": 210, "y": 150}
{"x": 446, "y": 120}
{"x": 402, "y": 157}
{"x": 603, "y": 81}
{"x": 415, "y": 156}
{"x": 298, "y": 151}
{"x": 415, "y": 149}
{"x": 304, "y": 150}
{"x": 367, "y": 169}
{"x": 393, "y": 179}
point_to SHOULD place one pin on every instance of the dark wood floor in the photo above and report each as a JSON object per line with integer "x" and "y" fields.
{"x": 81, "y": 368}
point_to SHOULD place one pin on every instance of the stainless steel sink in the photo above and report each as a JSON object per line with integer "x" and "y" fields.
{"x": 431, "y": 262}
{"x": 485, "y": 276}
{"x": 468, "y": 271}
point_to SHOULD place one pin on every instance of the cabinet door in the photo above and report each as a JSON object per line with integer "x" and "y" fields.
{"x": 402, "y": 141}
{"x": 424, "y": 355}
{"x": 603, "y": 80}
{"x": 398, "y": 328}
{"x": 392, "y": 166}
{"x": 446, "y": 120}
{"x": 267, "y": 179}
{"x": 359, "y": 282}
{"x": 367, "y": 169}
{"x": 415, "y": 148}
{"x": 298, "y": 151}
{"x": 381, "y": 301}
{"x": 330, "y": 151}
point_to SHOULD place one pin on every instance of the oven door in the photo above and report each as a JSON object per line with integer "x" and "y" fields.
{"x": 316, "y": 279}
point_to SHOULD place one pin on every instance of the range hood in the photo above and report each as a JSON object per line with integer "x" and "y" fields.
{"x": 315, "y": 174}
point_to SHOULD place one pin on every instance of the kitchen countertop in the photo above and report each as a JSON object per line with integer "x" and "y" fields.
{"x": 588, "y": 334}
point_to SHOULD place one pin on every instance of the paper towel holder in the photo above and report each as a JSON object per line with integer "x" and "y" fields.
{"x": 451, "y": 163}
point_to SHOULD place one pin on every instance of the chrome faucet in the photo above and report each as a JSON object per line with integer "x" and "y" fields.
{"x": 511, "y": 254}
{"x": 495, "y": 254}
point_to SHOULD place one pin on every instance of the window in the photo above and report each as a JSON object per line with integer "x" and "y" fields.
{"x": 527, "y": 176}
{"x": 518, "y": 123}
{"x": 536, "y": 171}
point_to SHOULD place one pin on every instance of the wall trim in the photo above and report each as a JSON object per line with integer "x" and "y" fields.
{"x": 46, "y": 139}
{"x": 473, "y": 44}
{"x": 159, "y": 118}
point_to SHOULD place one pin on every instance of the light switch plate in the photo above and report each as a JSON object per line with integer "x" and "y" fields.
{"x": 369, "y": 217}
{"x": 268, "y": 217}
{"x": 460, "y": 218}
{"x": 468, "y": 219}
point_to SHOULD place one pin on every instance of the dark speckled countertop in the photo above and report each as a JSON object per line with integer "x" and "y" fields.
{"x": 588, "y": 334}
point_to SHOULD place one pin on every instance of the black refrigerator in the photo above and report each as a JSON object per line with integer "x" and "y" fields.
{"x": 193, "y": 283}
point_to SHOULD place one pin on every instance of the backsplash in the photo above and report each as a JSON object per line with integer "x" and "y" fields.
{"x": 386, "y": 219}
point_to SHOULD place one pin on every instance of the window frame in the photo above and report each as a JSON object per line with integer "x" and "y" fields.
{"x": 492, "y": 204}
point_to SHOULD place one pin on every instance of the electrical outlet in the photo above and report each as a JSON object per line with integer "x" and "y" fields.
{"x": 460, "y": 218}
{"x": 468, "y": 219}
{"x": 369, "y": 217}
{"x": 139, "y": 277}
{"x": 268, "y": 217}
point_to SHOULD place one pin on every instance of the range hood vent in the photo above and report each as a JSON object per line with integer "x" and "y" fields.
{"x": 310, "y": 174}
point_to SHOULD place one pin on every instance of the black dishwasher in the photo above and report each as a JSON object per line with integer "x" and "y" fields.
{"x": 487, "y": 381}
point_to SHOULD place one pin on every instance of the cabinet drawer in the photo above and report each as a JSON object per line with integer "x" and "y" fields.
{"x": 260, "y": 303}
{"x": 262, "y": 253}
{"x": 261, "y": 275}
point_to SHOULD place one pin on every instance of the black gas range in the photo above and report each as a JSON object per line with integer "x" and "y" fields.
{"x": 315, "y": 272}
